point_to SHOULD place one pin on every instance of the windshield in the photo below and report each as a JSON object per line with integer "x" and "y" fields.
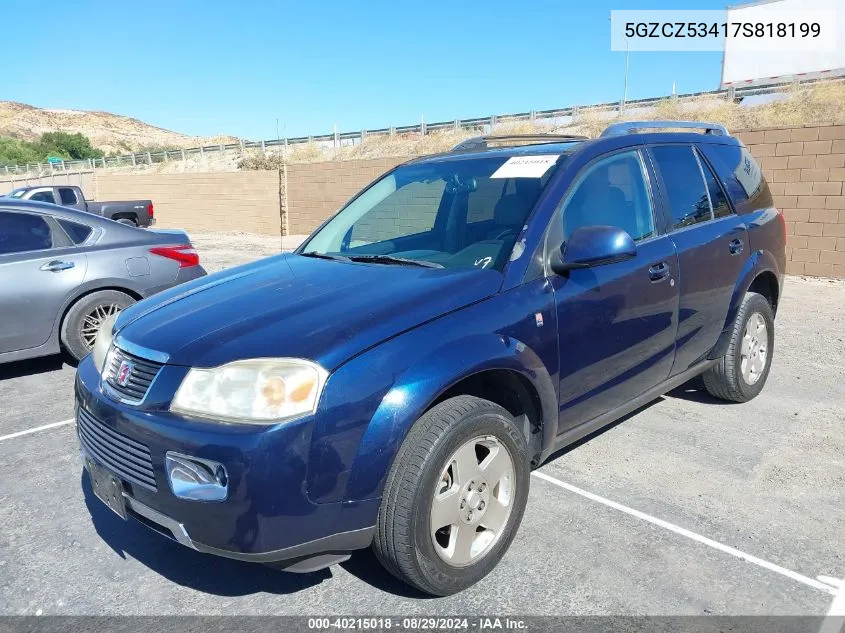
{"x": 17, "y": 193}
{"x": 462, "y": 213}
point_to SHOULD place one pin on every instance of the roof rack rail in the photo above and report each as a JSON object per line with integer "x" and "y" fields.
{"x": 631, "y": 127}
{"x": 483, "y": 142}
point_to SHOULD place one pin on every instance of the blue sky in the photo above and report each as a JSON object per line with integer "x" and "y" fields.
{"x": 235, "y": 67}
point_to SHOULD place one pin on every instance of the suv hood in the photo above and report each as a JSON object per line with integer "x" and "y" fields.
{"x": 298, "y": 307}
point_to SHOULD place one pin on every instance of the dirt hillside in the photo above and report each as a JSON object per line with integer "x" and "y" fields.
{"x": 112, "y": 133}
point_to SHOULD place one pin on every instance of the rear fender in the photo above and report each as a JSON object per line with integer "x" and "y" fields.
{"x": 756, "y": 263}
{"x": 423, "y": 382}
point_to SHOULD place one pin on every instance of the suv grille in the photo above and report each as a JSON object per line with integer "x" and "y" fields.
{"x": 130, "y": 376}
{"x": 127, "y": 458}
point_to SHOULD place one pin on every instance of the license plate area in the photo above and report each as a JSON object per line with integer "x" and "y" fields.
{"x": 107, "y": 487}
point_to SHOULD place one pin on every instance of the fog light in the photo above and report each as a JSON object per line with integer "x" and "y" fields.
{"x": 196, "y": 479}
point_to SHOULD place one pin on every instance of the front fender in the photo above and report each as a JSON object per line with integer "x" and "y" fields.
{"x": 424, "y": 382}
{"x": 370, "y": 402}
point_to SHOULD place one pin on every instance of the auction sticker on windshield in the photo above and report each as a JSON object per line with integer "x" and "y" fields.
{"x": 526, "y": 166}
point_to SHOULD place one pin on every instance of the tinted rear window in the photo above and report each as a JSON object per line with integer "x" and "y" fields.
{"x": 718, "y": 199}
{"x": 740, "y": 174}
{"x": 77, "y": 233}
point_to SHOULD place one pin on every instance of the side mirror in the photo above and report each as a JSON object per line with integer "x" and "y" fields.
{"x": 594, "y": 246}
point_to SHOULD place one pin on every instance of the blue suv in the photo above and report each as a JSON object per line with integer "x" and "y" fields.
{"x": 393, "y": 382}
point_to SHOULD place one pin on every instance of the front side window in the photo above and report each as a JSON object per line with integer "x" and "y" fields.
{"x": 23, "y": 232}
{"x": 613, "y": 192}
{"x": 67, "y": 196}
{"x": 43, "y": 196}
{"x": 458, "y": 213}
{"x": 683, "y": 185}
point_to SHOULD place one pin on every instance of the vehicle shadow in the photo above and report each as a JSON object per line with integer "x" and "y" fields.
{"x": 204, "y": 572}
{"x": 694, "y": 391}
{"x": 612, "y": 425}
{"x": 365, "y": 567}
{"x": 33, "y": 366}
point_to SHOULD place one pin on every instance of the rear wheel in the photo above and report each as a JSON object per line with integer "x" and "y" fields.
{"x": 454, "y": 497}
{"x": 127, "y": 221}
{"x": 742, "y": 372}
{"x": 83, "y": 320}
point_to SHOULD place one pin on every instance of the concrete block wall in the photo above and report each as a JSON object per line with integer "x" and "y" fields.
{"x": 805, "y": 168}
{"x": 315, "y": 191}
{"x": 225, "y": 201}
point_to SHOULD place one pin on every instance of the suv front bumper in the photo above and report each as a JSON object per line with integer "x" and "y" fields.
{"x": 267, "y": 516}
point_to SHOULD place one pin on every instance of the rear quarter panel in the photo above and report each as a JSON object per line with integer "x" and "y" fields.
{"x": 134, "y": 266}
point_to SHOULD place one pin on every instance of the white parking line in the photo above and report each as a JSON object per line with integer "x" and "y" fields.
{"x": 12, "y": 436}
{"x": 834, "y": 622}
{"x": 691, "y": 535}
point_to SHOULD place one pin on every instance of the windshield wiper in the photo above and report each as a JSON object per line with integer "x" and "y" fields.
{"x": 337, "y": 258}
{"x": 390, "y": 259}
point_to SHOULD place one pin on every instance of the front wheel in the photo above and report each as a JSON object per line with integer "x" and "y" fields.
{"x": 742, "y": 372}
{"x": 454, "y": 497}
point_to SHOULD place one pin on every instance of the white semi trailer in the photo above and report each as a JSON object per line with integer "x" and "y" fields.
{"x": 742, "y": 67}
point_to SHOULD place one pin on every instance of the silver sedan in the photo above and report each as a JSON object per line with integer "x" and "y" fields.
{"x": 63, "y": 272}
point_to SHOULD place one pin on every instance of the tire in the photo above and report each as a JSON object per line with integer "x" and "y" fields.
{"x": 127, "y": 222}
{"x": 75, "y": 328}
{"x": 429, "y": 461}
{"x": 733, "y": 377}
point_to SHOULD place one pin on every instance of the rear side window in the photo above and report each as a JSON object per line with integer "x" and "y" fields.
{"x": 718, "y": 199}
{"x": 740, "y": 174}
{"x": 67, "y": 196}
{"x": 77, "y": 233}
{"x": 23, "y": 232}
{"x": 683, "y": 185}
{"x": 43, "y": 196}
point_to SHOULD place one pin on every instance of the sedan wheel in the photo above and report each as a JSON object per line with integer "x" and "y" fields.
{"x": 84, "y": 318}
{"x": 94, "y": 319}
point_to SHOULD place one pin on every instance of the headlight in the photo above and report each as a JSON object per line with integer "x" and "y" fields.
{"x": 103, "y": 342}
{"x": 263, "y": 390}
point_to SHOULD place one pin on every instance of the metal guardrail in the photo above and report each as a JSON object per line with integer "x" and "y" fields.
{"x": 481, "y": 124}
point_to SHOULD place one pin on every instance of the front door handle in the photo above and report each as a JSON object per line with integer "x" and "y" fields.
{"x": 736, "y": 246}
{"x": 55, "y": 266}
{"x": 659, "y": 272}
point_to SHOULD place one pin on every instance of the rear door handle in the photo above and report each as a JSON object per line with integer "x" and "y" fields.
{"x": 736, "y": 246}
{"x": 55, "y": 266}
{"x": 659, "y": 272}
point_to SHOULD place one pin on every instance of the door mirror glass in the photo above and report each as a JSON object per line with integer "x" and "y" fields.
{"x": 594, "y": 246}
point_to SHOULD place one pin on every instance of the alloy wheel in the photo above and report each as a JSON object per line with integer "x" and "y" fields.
{"x": 472, "y": 501}
{"x": 94, "y": 319}
{"x": 755, "y": 347}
